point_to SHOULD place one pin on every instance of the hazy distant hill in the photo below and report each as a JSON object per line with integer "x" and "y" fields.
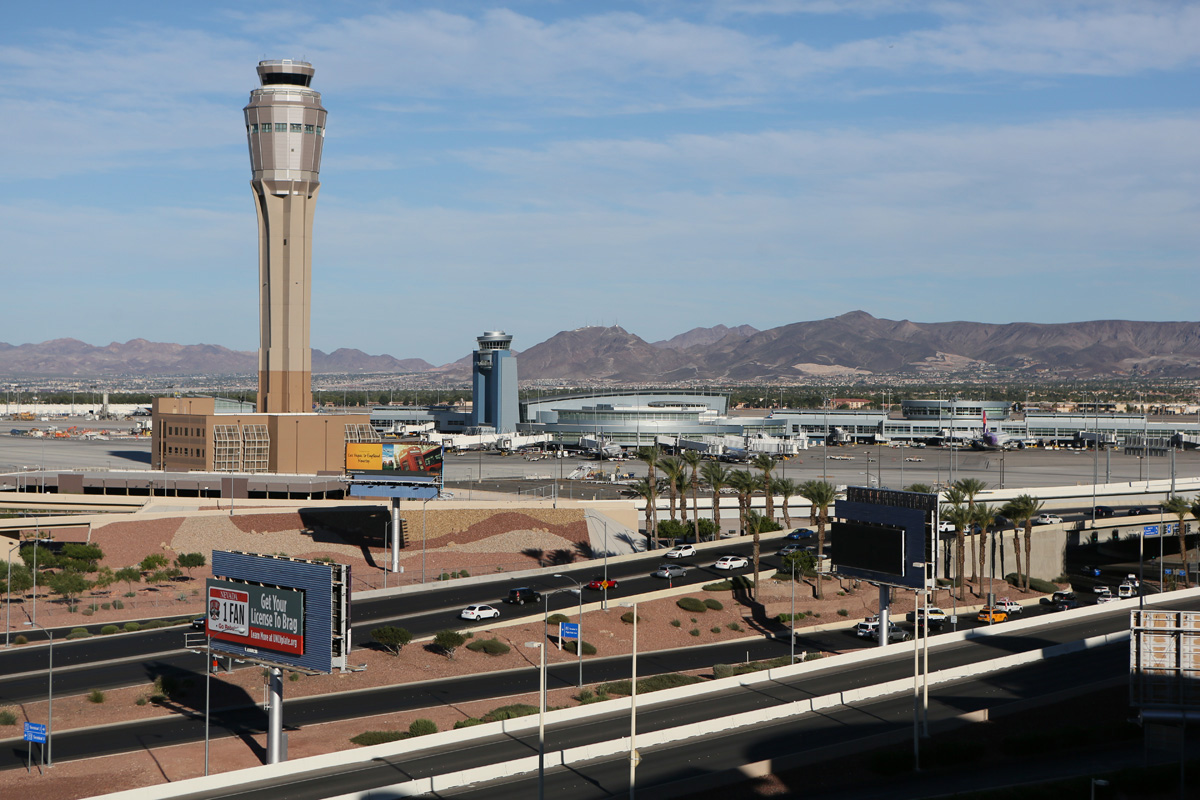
{"x": 851, "y": 344}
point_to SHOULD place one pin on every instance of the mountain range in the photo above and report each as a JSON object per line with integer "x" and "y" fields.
{"x": 853, "y": 344}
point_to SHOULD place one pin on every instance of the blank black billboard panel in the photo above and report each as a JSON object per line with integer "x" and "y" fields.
{"x": 875, "y": 547}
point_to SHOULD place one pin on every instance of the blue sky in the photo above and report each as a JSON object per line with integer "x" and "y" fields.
{"x": 542, "y": 166}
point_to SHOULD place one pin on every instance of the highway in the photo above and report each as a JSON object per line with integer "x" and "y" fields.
{"x": 837, "y": 731}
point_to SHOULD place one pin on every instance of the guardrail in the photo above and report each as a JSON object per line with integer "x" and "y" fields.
{"x": 397, "y": 750}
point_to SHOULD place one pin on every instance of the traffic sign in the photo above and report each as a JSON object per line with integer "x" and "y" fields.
{"x": 568, "y": 630}
{"x": 35, "y": 732}
{"x": 1149, "y": 530}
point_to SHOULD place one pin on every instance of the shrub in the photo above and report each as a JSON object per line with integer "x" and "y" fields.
{"x": 813, "y": 656}
{"x": 378, "y": 737}
{"x": 106, "y": 606}
{"x": 95, "y": 696}
{"x": 728, "y": 585}
{"x": 493, "y": 647}
{"x": 141, "y": 701}
{"x": 714, "y": 604}
{"x": 588, "y": 648}
{"x": 78, "y": 633}
{"x": 729, "y": 670}
{"x": 733, "y": 626}
{"x": 422, "y": 727}
{"x": 8, "y": 717}
{"x": 130, "y": 627}
{"x": 554, "y": 619}
{"x": 587, "y": 696}
{"x": 391, "y": 638}
{"x": 87, "y": 612}
{"x": 715, "y": 629}
{"x": 509, "y": 712}
{"x": 129, "y": 594}
{"x": 293, "y": 677}
{"x": 627, "y": 618}
{"x": 462, "y": 573}
{"x": 108, "y": 630}
{"x": 467, "y": 723}
{"x": 20, "y": 639}
{"x": 155, "y": 623}
{"x": 668, "y": 680}
{"x": 692, "y": 604}
{"x": 448, "y": 641}
{"x": 694, "y": 631}
{"x": 675, "y": 623}
{"x": 118, "y": 604}
{"x": 843, "y": 612}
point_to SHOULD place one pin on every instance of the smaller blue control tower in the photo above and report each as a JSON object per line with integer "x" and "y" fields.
{"x": 494, "y": 383}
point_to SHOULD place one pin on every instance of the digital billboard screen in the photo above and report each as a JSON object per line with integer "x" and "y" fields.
{"x": 878, "y": 548}
{"x": 395, "y": 459}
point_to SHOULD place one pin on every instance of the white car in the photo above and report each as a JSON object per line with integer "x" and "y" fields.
{"x": 945, "y": 526}
{"x": 1048, "y": 519}
{"x": 731, "y": 562}
{"x": 1009, "y": 606}
{"x": 479, "y": 612}
{"x": 680, "y": 551}
{"x": 1103, "y": 591}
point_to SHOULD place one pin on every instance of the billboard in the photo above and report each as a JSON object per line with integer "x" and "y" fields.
{"x": 279, "y": 611}
{"x": 395, "y": 459}
{"x": 884, "y": 536}
{"x": 258, "y": 616}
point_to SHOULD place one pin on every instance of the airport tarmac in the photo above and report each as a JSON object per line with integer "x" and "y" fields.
{"x": 859, "y": 465}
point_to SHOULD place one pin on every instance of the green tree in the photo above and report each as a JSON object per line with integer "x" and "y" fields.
{"x": 970, "y": 487}
{"x": 22, "y": 579}
{"x": 985, "y": 517}
{"x": 742, "y": 482}
{"x": 41, "y": 556}
{"x": 765, "y": 463}
{"x": 69, "y": 584}
{"x": 755, "y": 522}
{"x": 648, "y": 491}
{"x": 692, "y": 459}
{"x": 449, "y": 641}
{"x": 717, "y": 478}
{"x": 919, "y": 488}
{"x": 190, "y": 561}
{"x": 129, "y": 576}
{"x": 153, "y": 562}
{"x": 671, "y": 468}
{"x": 80, "y": 557}
{"x": 787, "y": 489}
{"x": 1179, "y": 507}
{"x": 821, "y": 495}
{"x": 959, "y": 516}
{"x": 649, "y": 457}
{"x": 392, "y": 638}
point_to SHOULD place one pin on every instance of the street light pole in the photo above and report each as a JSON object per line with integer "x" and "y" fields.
{"x": 50, "y": 705}
{"x": 8, "y": 595}
{"x": 634, "y": 758}
{"x": 579, "y": 638}
{"x": 541, "y": 718}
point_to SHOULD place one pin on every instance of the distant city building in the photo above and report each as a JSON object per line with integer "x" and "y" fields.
{"x": 494, "y": 384}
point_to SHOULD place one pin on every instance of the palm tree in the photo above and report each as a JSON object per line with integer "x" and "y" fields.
{"x": 1021, "y": 510}
{"x": 681, "y": 489}
{"x": 984, "y": 517}
{"x": 1179, "y": 507}
{"x": 787, "y": 489}
{"x": 755, "y": 524}
{"x": 649, "y": 457}
{"x": 920, "y": 488}
{"x": 821, "y": 494}
{"x": 970, "y": 487}
{"x": 959, "y": 516}
{"x": 744, "y": 484}
{"x": 717, "y": 478}
{"x": 765, "y": 463}
{"x": 671, "y": 468}
{"x": 648, "y": 491}
{"x": 692, "y": 459}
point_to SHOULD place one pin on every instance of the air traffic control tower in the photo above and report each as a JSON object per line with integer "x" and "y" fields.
{"x": 494, "y": 383}
{"x": 285, "y": 126}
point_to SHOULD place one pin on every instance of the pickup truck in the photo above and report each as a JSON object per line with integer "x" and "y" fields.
{"x": 1058, "y": 597}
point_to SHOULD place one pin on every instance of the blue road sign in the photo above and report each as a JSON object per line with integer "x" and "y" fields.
{"x": 568, "y": 630}
{"x": 35, "y": 732}
{"x": 1149, "y": 530}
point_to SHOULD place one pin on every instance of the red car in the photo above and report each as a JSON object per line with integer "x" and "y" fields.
{"x": 601, "y": 583}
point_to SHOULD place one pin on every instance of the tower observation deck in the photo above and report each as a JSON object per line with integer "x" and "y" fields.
{"x": 285, "y": 130}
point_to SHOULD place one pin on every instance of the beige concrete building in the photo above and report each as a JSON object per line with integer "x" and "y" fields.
{"x": 189, "y": 436}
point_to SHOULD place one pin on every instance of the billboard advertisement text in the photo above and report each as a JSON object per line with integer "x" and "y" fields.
{"x": 398, "y": 459}
{"x": 261, "y": 617}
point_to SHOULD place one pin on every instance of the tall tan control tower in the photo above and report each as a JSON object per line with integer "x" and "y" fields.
{"x": 285, "y": 126}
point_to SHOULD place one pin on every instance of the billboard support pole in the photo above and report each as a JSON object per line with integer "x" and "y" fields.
{"x": 395, "y": 534}
{"x": 275, "y": 718}
{"x": 884, "y": 614}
